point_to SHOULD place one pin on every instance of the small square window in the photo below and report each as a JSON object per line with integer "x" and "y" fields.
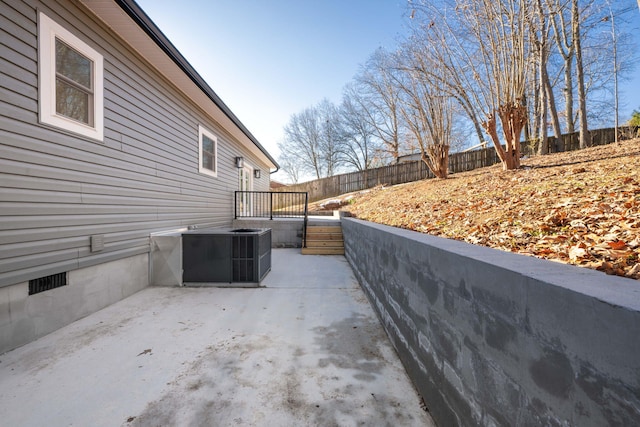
{"x": 70, "y": 81}
{"x": 208, "y": 152}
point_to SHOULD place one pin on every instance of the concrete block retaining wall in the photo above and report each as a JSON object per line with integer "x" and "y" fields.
{"x": 494, "y": 338}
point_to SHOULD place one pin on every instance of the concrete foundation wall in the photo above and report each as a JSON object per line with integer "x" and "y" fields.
{"x": 24, "y": 317}
{"x": 494, "y": 338}
{"x": 285, "y": 233}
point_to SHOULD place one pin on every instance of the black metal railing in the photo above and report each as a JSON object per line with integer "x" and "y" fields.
{"x": 273, "y": 204}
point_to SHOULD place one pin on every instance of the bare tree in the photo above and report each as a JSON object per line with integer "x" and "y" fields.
{"x": 426, "y": 108}
{"x": 609, "y": 53}
{"x": 290, "y": 164}
{"x": 487, "y": 41}
{"x": 564, "y": 41}
{"x": 313, "y": 138}
{"x": 446, "y": 61}
{"x": 572, "y": 20}
{"x": 582, "y": 96}
{"x": 332, "y": 136}
{"x": 380, "y": 100}
{"x": 496, "y": 31}
{"x": 359, "y": 146}
{"x": 541, "y": 46}
{"x": 303, "y": 142}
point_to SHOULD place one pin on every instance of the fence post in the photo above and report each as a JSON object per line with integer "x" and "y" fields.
{"x": 271, "y": 205}
{"x": 306, "y": 220}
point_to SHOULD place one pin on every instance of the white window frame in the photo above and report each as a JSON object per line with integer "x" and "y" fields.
{"x": 202, "y": 131}
{"x": 48, "y": 32}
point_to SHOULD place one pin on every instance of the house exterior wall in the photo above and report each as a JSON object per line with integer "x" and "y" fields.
{"x": 57, "y": 189}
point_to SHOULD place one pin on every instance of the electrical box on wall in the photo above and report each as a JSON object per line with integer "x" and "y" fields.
{"x": 97, "y": 242}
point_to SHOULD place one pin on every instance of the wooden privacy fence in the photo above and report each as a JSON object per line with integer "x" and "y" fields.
{"x": 571, "y": 141}
{"x": 416, "y": 170}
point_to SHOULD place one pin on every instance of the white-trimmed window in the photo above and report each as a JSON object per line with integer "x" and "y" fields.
{"x": 70, "y": 81}
{"x": 208, "y": 152}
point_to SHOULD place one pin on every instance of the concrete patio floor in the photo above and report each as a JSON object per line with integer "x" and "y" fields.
{"x": 304, "y": 350}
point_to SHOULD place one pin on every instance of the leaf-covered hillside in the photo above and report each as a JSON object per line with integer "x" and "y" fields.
{"x": 581, "y": 207}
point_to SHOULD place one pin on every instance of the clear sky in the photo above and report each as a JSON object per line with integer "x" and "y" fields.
{"x": 270, "y": 59}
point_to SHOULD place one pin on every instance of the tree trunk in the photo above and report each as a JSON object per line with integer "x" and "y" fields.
{"x": 543, "y": 148}
{"x": 513, "y": 118}
{"x": 567, "y": 51}
{"x": 568, "y": 93}
{"x": 540, "y": 42}
{"x": 527, "y": 127}
{"x": 536, "y": 108}
{"x": 555, "y": 120}
{"x": 437, "y": 159}
{"x": 582, "y": 101}
{"x": 466, "y": 106}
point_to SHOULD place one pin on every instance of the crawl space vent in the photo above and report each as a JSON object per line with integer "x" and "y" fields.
{"x": 46, "y": 283}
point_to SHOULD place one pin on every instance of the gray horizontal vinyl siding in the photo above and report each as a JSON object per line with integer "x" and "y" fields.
{"x": 58, "y": 189}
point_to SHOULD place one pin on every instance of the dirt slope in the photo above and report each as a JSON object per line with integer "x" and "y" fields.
{"x": 581, "y": 207}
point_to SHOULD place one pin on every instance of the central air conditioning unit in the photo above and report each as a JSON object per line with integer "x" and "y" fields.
{"x": 215, "y": 256}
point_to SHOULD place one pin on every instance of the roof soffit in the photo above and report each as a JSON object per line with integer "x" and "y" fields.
{"x": 133, "y": 35}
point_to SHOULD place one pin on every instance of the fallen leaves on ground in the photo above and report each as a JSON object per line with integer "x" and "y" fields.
{"x": 581, "y": 207}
